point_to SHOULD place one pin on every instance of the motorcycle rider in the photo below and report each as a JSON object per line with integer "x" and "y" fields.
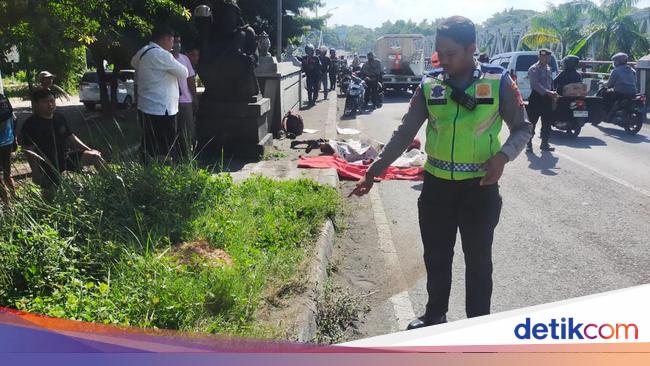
{"x": 569, "y": 75}
{"x": 311, "y": 67}
{"x": 372, "y": 72}
{"x": 356, "y": 63}
{"x": 334, "y": 68}
{"x": 622, "y": 81}
{"x": 325, "y": 66}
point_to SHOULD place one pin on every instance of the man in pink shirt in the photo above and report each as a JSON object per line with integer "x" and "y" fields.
{"x": 187, "y": 103}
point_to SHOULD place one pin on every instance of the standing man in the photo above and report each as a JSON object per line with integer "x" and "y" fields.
{"x": 187, "y": 102}
{"x": 157, "y": 74}
{"x": 334, "y": 68}
{"x": 326, "y": 66}
{"x": 373, "y": 72}
{"x": 311, "y": 67}
{"x": 540, "y": 102}
{"x": 465, "y": 103}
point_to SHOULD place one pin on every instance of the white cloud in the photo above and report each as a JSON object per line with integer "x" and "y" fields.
{"x": 374, "y": 12}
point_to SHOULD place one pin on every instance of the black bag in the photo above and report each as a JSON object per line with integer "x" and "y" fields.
{"x": 293, "y": 123}
{"x": 6, "y": 111}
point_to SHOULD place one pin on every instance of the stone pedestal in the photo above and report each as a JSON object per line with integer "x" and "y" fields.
{"x": 233, "y": 129}
{"x": 282, "y": 83}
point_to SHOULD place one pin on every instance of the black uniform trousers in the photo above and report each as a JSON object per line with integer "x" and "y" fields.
{"x": 332, "y": 81}
{"x": 313, "y": 85}
{"x": 540, "y": 106}
{"x": 446, "y": 206}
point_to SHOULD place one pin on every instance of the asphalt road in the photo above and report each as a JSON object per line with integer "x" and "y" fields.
{"x": 574, "y": 222}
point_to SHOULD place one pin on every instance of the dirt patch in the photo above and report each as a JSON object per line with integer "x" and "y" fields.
{"x": 191, "y": 252}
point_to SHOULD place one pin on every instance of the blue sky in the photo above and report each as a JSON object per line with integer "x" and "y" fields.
{"x": 372, "y": 13}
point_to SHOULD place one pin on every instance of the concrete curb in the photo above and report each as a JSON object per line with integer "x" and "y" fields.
{"x": 306, "y": 327}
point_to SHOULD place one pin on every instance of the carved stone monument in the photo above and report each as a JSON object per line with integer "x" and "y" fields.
{"x": 232, "y": 116}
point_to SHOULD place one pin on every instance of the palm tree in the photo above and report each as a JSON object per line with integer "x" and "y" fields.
{"x": 613, "y": 30}
{"x": 559, "y": 26}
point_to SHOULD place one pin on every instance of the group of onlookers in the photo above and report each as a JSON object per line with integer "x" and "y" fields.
{"x": 167, "y": 105}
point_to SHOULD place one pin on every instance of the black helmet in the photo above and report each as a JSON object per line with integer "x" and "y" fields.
{"x": 571, "y": 62}
{"x": 309, "y": 49}
{"x": 620, "y": 58}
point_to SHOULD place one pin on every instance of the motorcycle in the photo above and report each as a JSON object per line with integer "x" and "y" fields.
{"x": 355, "y": 96}
{"x": 345, "y": 77}
{"x": 628, "y": 113}
{"x": 571, "y": 114}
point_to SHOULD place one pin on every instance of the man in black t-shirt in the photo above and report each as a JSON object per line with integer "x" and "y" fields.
{"x": 50, "y": 145}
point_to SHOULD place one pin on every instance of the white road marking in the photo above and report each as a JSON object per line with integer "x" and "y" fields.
{"x": 606, "y": 175}
{"x": 402, "y": 306}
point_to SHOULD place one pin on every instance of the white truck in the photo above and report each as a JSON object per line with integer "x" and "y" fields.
{"x": 403, "y": 60}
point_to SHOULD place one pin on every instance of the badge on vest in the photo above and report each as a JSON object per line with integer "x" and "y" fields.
{"x": 483, "y": 94}
{"x": 437, "y": 95}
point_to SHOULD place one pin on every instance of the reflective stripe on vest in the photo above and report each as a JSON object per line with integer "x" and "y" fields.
{"x": 460, "y": 141}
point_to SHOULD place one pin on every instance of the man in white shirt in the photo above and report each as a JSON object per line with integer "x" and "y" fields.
{"x": 157, "y": 75}
{"x": 188, "y": 102}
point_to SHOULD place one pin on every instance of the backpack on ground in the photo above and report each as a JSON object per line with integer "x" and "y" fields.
{"x": 293, "y": 123}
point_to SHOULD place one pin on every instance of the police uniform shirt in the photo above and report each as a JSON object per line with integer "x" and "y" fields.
{"x": 541, "y": 78}
{"x": 511, "y": 110}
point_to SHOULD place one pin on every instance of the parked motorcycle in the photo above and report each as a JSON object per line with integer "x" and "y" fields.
{"x": 355, "y": 96}
{"x": 344, "y": 78}
{"x": 571, "y": 114}
{"x": 628, "y": 113}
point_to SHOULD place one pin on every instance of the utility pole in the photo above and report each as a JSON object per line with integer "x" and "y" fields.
{"x": 279, "y": 35}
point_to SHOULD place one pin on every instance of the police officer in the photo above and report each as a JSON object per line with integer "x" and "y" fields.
{"x": 326, "y": 65}
{"x": 311, "y": 67}
{"x": 622, "y": 81}
{"x": 334, "y": 68}
{"x": 540, "y": 101}
{"x": 465, "y": 104}
{"x": 373, "y": 72}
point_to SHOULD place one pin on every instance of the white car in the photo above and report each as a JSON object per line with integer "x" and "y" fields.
{"x": 89, "y": 88}
{"x": 518, "y": 63}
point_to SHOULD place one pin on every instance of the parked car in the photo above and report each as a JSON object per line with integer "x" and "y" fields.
{"x": 518, "y": 63}
{"x": 89, "y": 88}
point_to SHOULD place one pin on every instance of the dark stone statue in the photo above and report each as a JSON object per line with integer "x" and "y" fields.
{"x": 228, "y": 53}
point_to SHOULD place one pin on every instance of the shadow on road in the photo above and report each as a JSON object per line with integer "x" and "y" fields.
{"x": 397, "y": 96}
{"x": 620, "y": 134}
{"x": 581, "y": 142}
{"x": 545, "y": 163}
{"x": 418, "y": 187}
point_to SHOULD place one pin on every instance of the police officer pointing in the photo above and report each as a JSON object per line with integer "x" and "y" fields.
{"x": 540, "y": 102}
{"x": 465, "y": 104}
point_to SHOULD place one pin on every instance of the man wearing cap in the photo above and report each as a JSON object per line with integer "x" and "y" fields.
{"x": 373, "y": 72}
{"x": 540, "y": 102}
{"x": 46, "y": 81}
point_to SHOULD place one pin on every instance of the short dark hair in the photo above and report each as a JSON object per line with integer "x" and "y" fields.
{"x": 41, "y": 94}
{"x": 459, "y": 29}
{"x": 160, "y": 31}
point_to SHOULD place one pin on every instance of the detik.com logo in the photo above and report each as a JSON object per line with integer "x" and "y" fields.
{"x": 568, "y": 328}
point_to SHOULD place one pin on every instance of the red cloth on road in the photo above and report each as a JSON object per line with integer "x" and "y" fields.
{"x": 355, "y": 172}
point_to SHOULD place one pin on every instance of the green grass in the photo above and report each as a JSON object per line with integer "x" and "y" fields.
{"x": 104, "y": 247}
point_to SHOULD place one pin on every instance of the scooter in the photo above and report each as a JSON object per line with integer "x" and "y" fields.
{"x": 628, "y": 113}
{"x": 345, "y": 77}
{"x": 571, "y": 114}
{"x": 355, "y": 96}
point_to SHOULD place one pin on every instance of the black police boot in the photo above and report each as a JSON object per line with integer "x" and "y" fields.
{"x": 529, "y": 147}
{"x": 425, "y": 321}
{"x": 546, "y": 147}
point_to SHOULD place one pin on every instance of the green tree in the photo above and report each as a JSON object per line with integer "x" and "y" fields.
{"x": 560, "y": 25}
{"x": 612, "y": 30}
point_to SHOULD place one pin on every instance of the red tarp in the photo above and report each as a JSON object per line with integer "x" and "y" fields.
{"x": 351, "y": 171}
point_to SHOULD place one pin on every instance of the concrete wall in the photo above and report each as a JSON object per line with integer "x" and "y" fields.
{"x": 282, "y": 84}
